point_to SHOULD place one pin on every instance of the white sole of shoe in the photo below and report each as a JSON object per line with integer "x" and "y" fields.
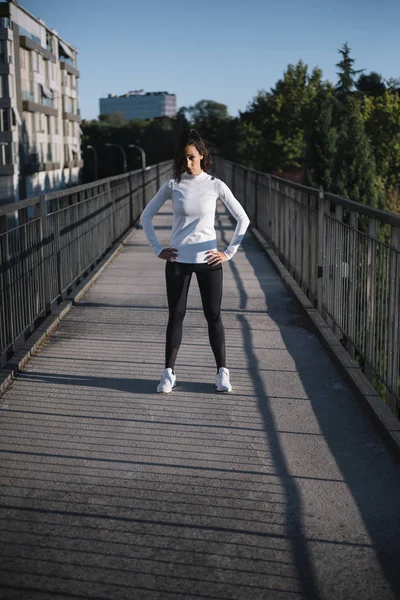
{"x": 224, "y": 391}
{"x": 166, "y": 391}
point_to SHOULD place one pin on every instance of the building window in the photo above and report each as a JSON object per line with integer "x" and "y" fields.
{"x": 3, "y": 86}
{"x": 5, "y": 119}
{"x": 5, "y": 154}
{"x": 48, "y": 118}
{"x": 3, "y": 52}
{"x": 55, "y": 125}
{"x": 40, "y": 123}
{"x": 34, "y": 58}
{"x": 5, "y": 23}
{"x": 29, "y": 35}
{"x": 49, "y": 41}
{"x": 24, "y": 59}
{"x": 49, "y": 157}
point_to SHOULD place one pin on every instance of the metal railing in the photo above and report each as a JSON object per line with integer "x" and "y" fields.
{"x": 346, "y": 258}
{"x": 57, "y": 241}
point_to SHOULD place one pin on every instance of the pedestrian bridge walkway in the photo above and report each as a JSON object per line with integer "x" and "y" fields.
{"x": 281, "y": 489}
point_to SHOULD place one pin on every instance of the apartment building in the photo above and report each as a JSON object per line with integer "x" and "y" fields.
{"x": 140, "y": 105}
{"x": 39, "y": 115}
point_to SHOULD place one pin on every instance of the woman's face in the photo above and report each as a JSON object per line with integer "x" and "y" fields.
{"x": 193, "y": 160}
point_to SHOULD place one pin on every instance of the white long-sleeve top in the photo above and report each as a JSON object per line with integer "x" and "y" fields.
{"x": 194, "y": 201}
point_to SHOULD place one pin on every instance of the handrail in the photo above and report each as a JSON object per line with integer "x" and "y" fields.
{"x": 56, "y": 242}
{"x": 348, "y": 268}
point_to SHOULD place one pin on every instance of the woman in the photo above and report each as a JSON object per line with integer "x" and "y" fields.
{"x": 194, "y": 193}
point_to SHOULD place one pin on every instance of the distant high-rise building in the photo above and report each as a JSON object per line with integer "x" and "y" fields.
{"x": 140, "y": 105}
{"x": 39, "y": 116}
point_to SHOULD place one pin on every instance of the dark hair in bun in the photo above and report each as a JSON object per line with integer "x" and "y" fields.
{"x": 190, "y": 137}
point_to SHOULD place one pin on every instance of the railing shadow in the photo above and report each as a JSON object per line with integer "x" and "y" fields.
{"x": 368, "y": 469}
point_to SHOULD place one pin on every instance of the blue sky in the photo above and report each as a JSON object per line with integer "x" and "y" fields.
{"x": 222, "y": 50}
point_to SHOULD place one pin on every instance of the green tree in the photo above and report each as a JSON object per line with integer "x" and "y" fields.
{"x": 322, "y": 140}
{"x": 280, "y": 115}
{"x": 382, "y": 123}
{"x": 211, "y": 119}
{"x": 346, "y": 71}
{"x": 354, "y": 174}
{"x": 115, "y": 119}
{"x": 249, "y": 144}
{"x": 371, "y": 84}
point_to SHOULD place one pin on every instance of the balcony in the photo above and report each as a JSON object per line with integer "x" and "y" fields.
{"x": 71, "y": 164}
{"x": 29, "y": 44}
{"x": 5, "y": 102}
{"x": 6, "y": 136}
{"x": 71, "y": 116}
{"x": 31, "y": 106}
{"x": 69, "y": 68}
{"x": 7, "y": 170}
{"x": 36, "y": 167}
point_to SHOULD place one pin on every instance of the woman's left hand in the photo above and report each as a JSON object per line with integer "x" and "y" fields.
{"x": 215, "y": 258}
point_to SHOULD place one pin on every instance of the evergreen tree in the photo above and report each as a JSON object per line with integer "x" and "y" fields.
{"x": 346, "y": 71}
{"x": 322, "y": 139}
{"x": 354, "y": 171}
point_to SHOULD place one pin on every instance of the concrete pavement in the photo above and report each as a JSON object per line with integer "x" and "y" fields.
{"x": 281, "y": 489}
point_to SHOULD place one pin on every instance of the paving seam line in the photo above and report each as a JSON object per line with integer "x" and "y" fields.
{"x": 381, "y": 415}
{"x": 9, "y": 372}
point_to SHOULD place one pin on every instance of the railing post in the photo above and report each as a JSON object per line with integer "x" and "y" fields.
{"x": 158, "y": 176}
{"x": 111, "y": 199}
{"x": 339, "y": 313}
{"x": 9, "y": 312}
{"x": 256, "y": 203}
{"x": 57, "y": 248}
{"x": 321, "y": 265}
{"x": 245, "y": 198}
{"x": 131, "y": 213}
{"x": 143, "y": 189}
{"x": 371, "y": 298}
{"x": 270, "y": 210}
{"x": 44, "y": 252}
{"x": 352, "y": 284}
{"x": 393, "y": 350}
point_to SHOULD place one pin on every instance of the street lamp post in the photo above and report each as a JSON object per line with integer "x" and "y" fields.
{"x": 95, "y": 161}
{"x": 142, "y": 152}
{"x": 122, "y": 151}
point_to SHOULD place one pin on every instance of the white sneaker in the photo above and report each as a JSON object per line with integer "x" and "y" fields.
{"x": 222, "y": 381}
{"x": 167, "y": 381}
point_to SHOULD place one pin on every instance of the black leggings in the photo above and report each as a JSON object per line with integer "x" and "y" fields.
{"x": 178, "y": 276}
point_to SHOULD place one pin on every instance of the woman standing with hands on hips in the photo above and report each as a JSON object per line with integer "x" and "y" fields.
{"x": 194, "y": 193}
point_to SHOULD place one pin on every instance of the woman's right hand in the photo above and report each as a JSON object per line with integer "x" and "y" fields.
{"x": 169, "y": 254}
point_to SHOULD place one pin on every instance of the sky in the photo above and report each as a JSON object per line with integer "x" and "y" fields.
{"x": 221, "y": 50}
